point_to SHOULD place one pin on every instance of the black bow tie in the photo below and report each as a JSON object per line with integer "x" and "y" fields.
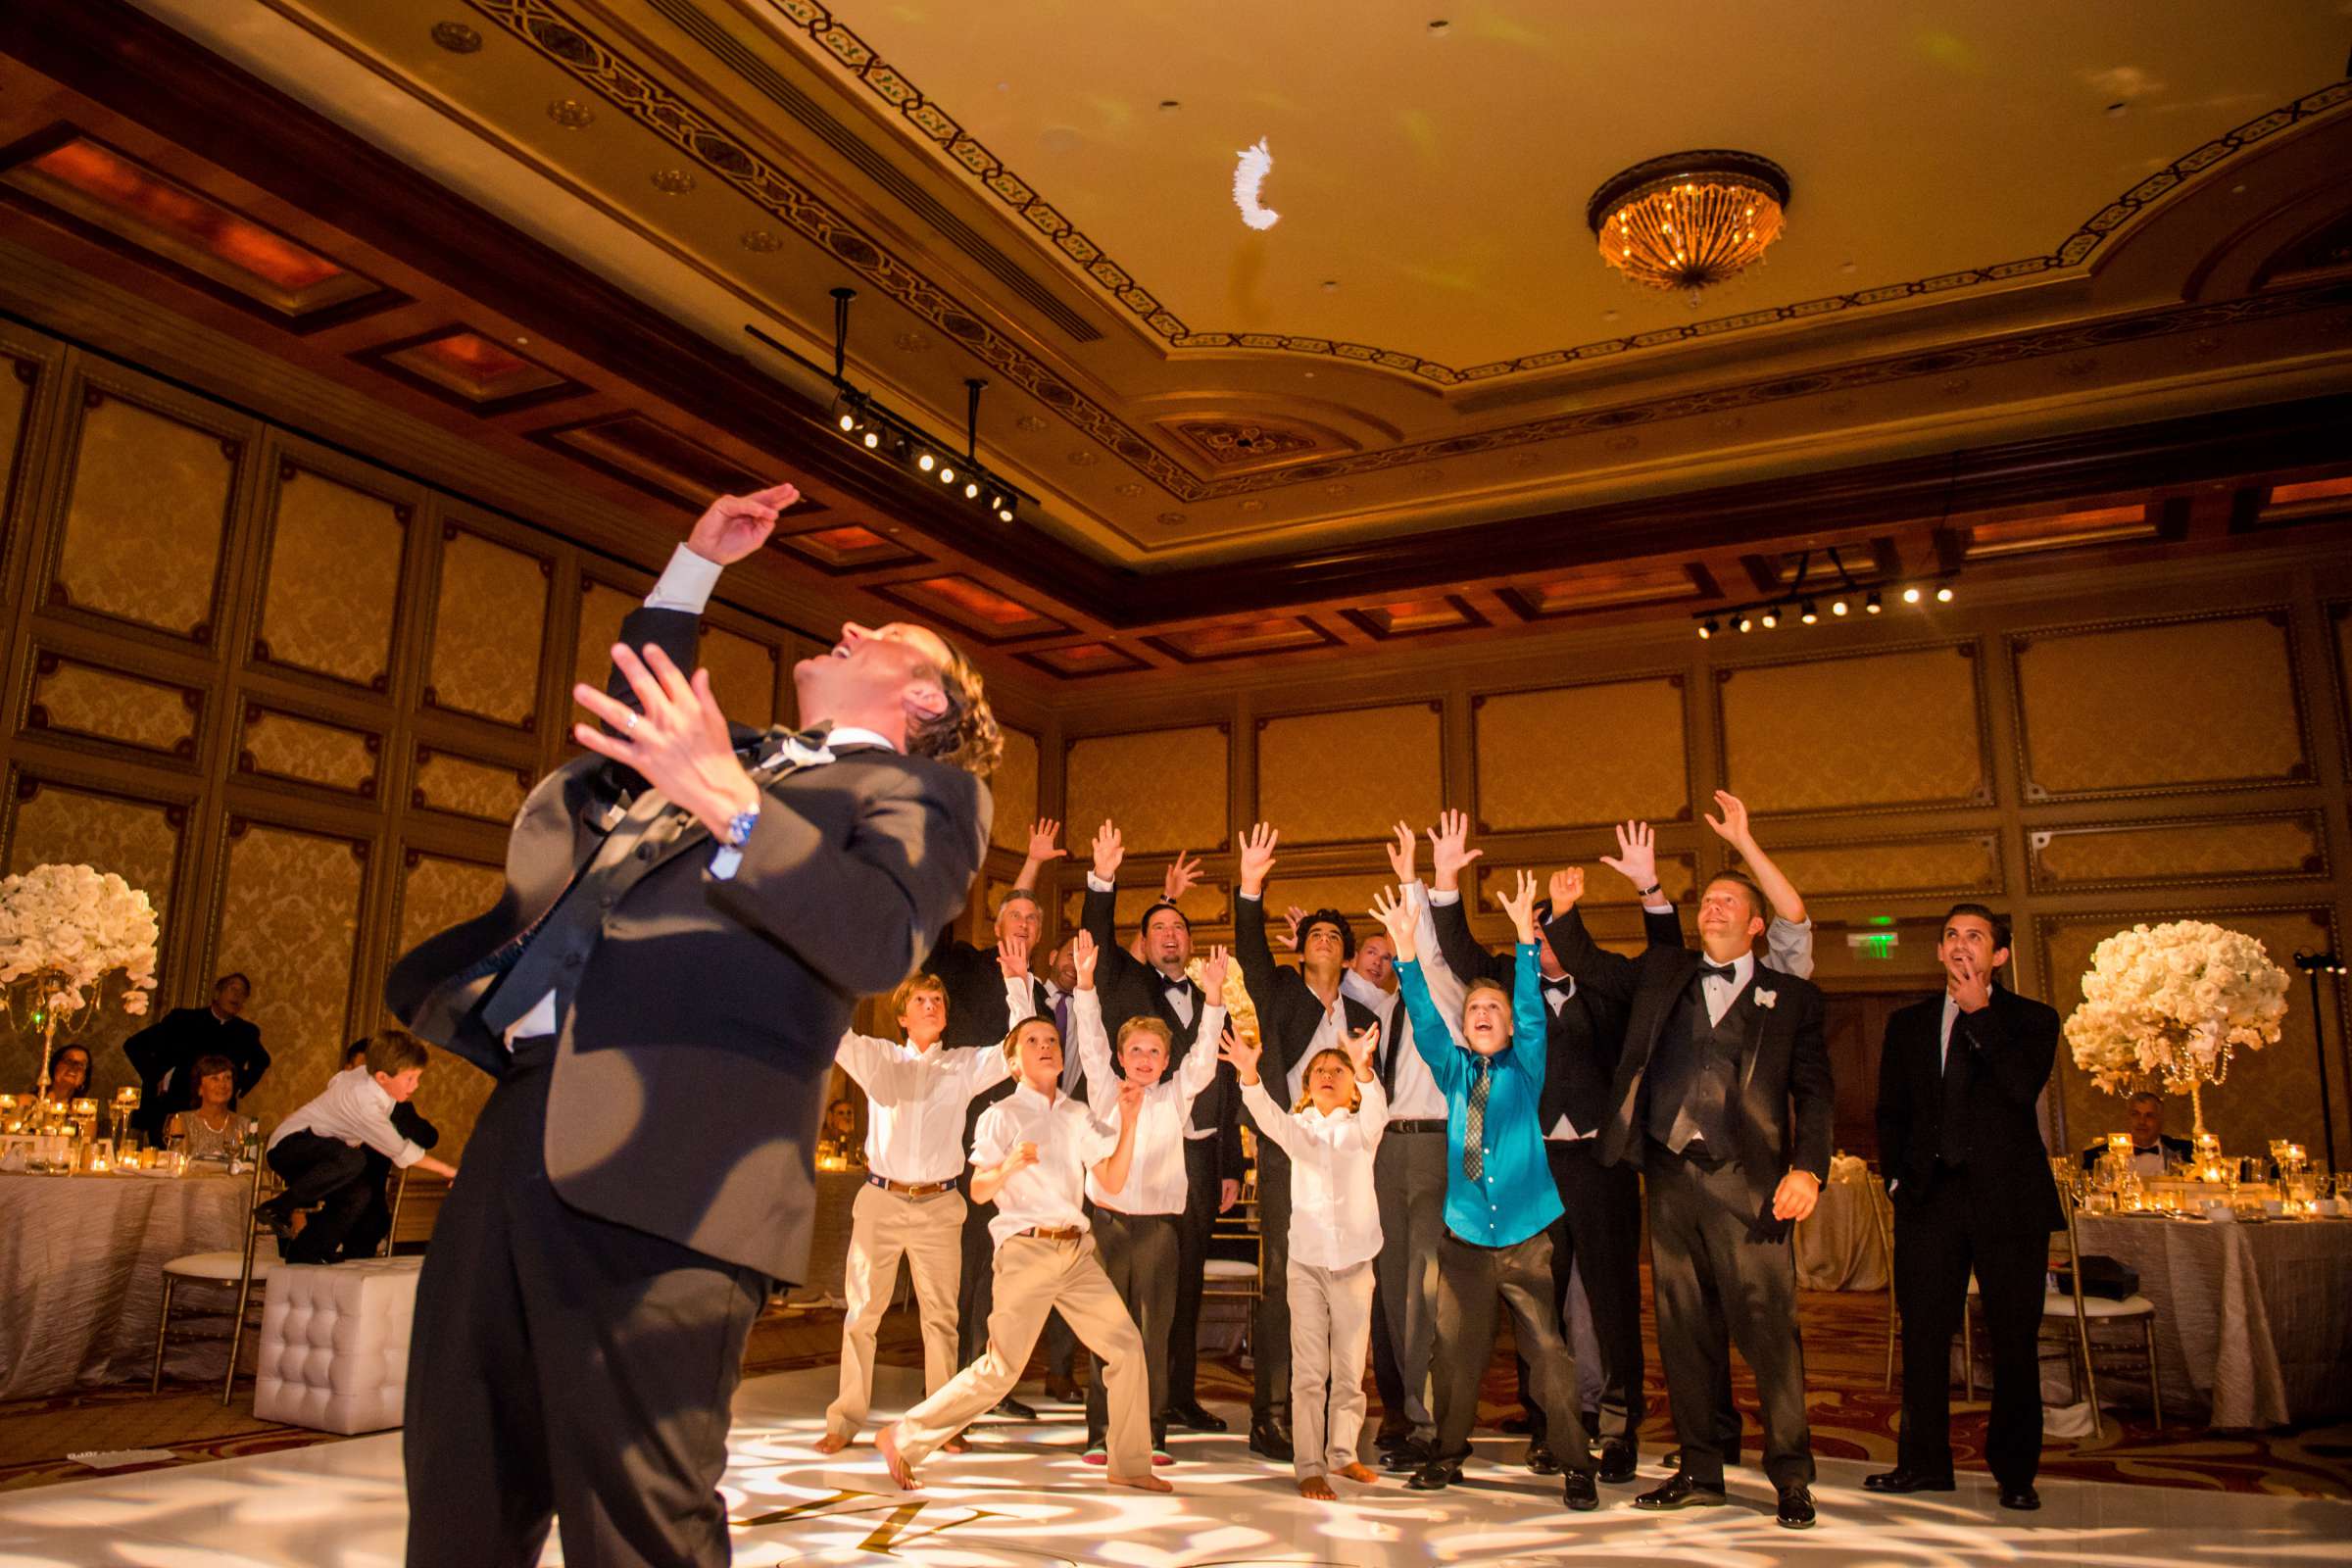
{"x": 1718, "y": 971}
{"x": 1564, "y": 985}
{"x": 1177, "y": 987}
{"x": 772, "y": 747}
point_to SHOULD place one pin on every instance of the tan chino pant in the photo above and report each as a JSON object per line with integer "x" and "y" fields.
{"x": 1034, "y": 1277}
{"x": 1330, "y": 1335}
{"x": 884, "y": 1226}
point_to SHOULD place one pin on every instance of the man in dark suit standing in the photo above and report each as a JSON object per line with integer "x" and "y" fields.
{"x": 1961, "y": 1149}
{"x": 1157, "y": 986}
{"x": 660, "y": 993}
{"x": 1300, "y": 1011}
{"x": 163, "y": 1053}
{"x": 1723, "y": 1097}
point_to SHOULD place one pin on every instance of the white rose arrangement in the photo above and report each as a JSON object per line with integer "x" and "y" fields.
{"x": 64, "y": 931}
{"x": 2171, "y": 1002}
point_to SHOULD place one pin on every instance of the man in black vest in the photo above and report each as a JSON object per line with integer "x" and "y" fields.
{"x": 163, "y": 1053}
{"x": 1157, "y": 986}
{"x": 1299, "y": 1011}
{"x": 1964, "y": 1160}
{"x": 1723, "y": 1097}
{"x": 660, "y": 993}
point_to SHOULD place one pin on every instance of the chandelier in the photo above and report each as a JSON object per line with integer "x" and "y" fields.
{"x": 1688, "y": 219}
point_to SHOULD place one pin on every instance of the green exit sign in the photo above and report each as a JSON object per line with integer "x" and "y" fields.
{"x": 1873, "y": 944}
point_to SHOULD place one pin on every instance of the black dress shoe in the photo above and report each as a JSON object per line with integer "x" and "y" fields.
{"x": 1012, "y": 1409}
{"x": 1541, "y": 1460}
{"x": 1616, "y": 1462}
{"x": 1194, "y": 1416}
{"x": 1064, "y": 1391}
{"x": 1797, "y": 1507}
{"x": 1435, "y": 1475}
{"x": 1272, "y": 1439}
{"x": 1578, "y": 1492}
{"x": 1904, "y": 1479}
{"x": 276, "y": 1220}
{"x": 1516, "y": 1426}
{"x": 2024, "y": 1499}
{"x": 1406, "y": 1457}
{"x": 1680, "y": 1492}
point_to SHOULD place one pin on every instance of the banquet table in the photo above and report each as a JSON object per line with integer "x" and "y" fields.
{"x": 1837, "y": 1246}
{"x": 82, "y": 1263}
{"x": 2253, "y": 1320}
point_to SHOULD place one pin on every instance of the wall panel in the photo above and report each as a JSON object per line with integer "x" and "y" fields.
{"x": 1168, "y": 790}
{"x": 1870, "y": 732}
{"x": 146, "y": 513}
{"x": 2159, "y": 708}
{"x": 2178, "y": 852}
{"x": 1939, "y": 867}
{"x": 72, "y": 697}
{"x": 287, "y": 914}
{"x": 1350, "y": 775}
{"x": 280, "y": 744}
{"x": 1581, "y": 755}
{"x": 436, "y": 892}
{"x": 443, "y": 782}
{"x": 743, "y": 675}
{"x": 1014, "y": 789}
{"x": 331, "y": 595}
{"x": 489, "y": 621}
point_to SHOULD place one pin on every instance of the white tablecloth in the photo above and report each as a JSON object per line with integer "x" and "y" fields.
{"x": 82, "y": 1263}
{"x": 2253, "y": 1322}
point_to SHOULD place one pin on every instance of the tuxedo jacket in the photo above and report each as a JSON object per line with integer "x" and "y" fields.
{"x": 692, "y": 1061}
{"x": 1583, "y": 1042}
{"x": 976, "y": 1010}
{"x": 2175, "y": 1149}
{"x": 172, "y": 1044}
{"x": 2002, "y": 1053}
{"x": 1289, "y": 1012}
{"x": 1784, "y": 1118}
{"x": 1129, "y": 988}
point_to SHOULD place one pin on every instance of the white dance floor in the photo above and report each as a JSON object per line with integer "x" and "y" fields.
{"x": 1020, "y": 1498}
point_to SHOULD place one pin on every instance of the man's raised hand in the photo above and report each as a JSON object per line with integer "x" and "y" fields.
{"x": 1241, "y": 1054}
{"x": 1258, "y": 858}
{"x": 1637, "y": 857}
{"x": 1732, "y": 827}
{"x": 1109, "y": 850}
{"x": 1013, "y": 955}
{"x": 1520, "y": 905}
{"x": 1044, "y": 840}
{"x": 1395, "y": 911}
{"x": 1084, "y": 955}
{"x": 676, "y": 738}
{"x": 733, "y": 526}
{"x": 1181, "y": 875}
{"x": 1567, "y": 886}
{"x": 1404, "y": 854}
{"x": 1448, "y": 849}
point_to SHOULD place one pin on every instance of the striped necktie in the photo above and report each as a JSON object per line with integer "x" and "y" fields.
{"x": 1474, "y": 1135}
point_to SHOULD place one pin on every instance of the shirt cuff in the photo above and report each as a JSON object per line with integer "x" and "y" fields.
{"x": 1663, "y": 907}
{"x": 1441, "y": 896}
{"x": 686, "y": 582}
{"x": 409, "y": 1153}
{"x": 1253, "y": 898}
{"x": 1096, "y": 884}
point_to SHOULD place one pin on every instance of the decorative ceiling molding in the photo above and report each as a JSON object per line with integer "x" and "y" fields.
{"x": 928, "y": 120}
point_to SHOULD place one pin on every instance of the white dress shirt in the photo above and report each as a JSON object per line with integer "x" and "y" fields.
{"x": 357, "y": 1109}
{"x": 1070, "y": 1141}
{"x": 916, "y": 1099}
{"x": 1722, "y": 990}
{"x": 1951, "y": 1015}
{"x": 1155, "y": 1176}
{"x": 1335, "y": 1209}
{"x": 1331, "y": 1034}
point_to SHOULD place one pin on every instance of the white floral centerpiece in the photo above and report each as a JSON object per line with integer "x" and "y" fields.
{"x": 64, "y": 931}
{"x": 2169, "y": 1003}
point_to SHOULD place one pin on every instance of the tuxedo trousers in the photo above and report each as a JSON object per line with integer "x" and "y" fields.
{"x": 1408, "y": 1176}
{"x": 1474, "y": 1284}
{"x": 1203, "y": 1188}
{"x": 1599, "y": 1236}
{"x": 562, "y": 1366}
{"x": 1270, "y": 1331}
{"x": 884, "y": 1227}
{"x": 330, "y": 1177}
{"x": 1139, "y": 1255}
{"x": 1941, "y": 1237}
{"x": 1723, "y": 1274}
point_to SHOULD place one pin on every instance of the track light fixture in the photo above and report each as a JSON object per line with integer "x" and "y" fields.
{"x": 1872, "y": 603}
{"x": 1911, "y": 594}
{"x": 1808, "y": 614}
{"x": 1706, "y": 628}
{"x": 1943, "y": 594}
{"x": 866, "y": 421}
{"x": 1805, "y": 606}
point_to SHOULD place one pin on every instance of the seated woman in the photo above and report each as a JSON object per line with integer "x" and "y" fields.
{"x": 209, "y": 1129}
{"x": 69, "y": 1075}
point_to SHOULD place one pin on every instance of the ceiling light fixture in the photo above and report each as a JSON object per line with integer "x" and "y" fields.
{"x": 1799, "y": 598}
{"x": 1744, "y": 623}
{"x": 1706, "y": 628}
{"x": 1771, "y": 617}
{"x": 1809, "y": 615}
{"x": 1872, "y": 603}
{"x": 1943, "y": 594}
{"x": 1911, "y": 594}
{"x": 1689, "y": 220}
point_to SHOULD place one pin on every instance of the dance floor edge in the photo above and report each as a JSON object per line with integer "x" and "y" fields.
{"x": 1022, "y": 1498}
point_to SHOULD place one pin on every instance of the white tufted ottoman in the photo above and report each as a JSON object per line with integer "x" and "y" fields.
{"x": 335, "y": 1343}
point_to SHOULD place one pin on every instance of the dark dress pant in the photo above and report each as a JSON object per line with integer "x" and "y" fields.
{"x": 1474, "y": 1284}
{"x": 1724, "y": 1275}
{"x": 564, "y": 1368}
{"x": 1942, "y": 1235}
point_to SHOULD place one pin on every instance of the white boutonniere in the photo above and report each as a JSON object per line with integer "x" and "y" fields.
{"x": 1765, "y": 998}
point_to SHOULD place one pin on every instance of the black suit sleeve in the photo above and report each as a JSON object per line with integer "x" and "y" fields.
{"x": 1810, "y": 1087}
{"x": 676, "y": 632}
{"x": 1663, "y": 927}
{"x": 1608, "y": 974}
{"x": 1894, "y": 1104}
{"x": 1264, "y": 979}
{"x": 252, "y": 1062}
{"x": 410, "y": 1124}
{"x": 1463, "y": 956}
{"x": 2013, "y": 1045}
{"x": 148, "y": 1048}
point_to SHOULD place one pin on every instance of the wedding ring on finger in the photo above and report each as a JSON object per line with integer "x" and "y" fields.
{"x": 630, "y": 728}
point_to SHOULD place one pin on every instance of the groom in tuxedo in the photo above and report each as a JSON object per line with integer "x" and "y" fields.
{"x": 690, "y": 916}
{"x": 1722, "y": 1097}
{"x": 1970, "y": 1176}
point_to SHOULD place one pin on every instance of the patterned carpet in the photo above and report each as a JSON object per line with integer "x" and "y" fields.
{"x": 1852, "y": 1415}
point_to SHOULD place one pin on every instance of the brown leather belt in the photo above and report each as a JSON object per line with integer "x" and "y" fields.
{"x": 1054, "y": 1233}
{"x": 911, "y": 1189}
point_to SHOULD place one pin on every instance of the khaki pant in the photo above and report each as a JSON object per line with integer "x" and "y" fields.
{"x": 1331, "y": 1334}
{"x": 883, "y": 1227}
{"x": 1033, "y": 1276}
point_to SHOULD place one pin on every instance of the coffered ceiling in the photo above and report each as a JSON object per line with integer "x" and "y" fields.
{"x": 2041, "y": 264}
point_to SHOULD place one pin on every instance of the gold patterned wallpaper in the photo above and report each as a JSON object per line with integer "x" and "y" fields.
{"x": 289, "y": 918}
{"x": 301, "y": 749}
{"x": 743, "y": 676}
{"x": 1167, "y": 789}
{"x": 1581, "y": 754}
{"x": 138, "y": 841}
{"x": 1015, "y": 791}
{"x": 86, "y": 700}
{"x": 1885, "y": 729}
{"x": 483, "y": 790}
{"x": 2149, "y": 707}
{"x": 1353, "y": 773}
{"x": 150, "y": 497}
{"x": 488, "y": 631}
{"x": 2236, "y": 848}
{"x": 332, "y": 593}
{"x": 435, "y": 893}
{"x": 2269, "y": 1093}
{"x": 1969, "y": 867}
{"x": 1205, "y": 904}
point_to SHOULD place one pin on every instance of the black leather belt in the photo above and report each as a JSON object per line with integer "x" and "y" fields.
{"x": 1421, "y": 1124}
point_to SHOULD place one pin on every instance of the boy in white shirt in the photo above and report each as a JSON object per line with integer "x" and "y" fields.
{"x": 1135, "y": 1228}
{"x": 320, "y": 1151}
{"x": 1031, "y": 1156}
{"x": 908, "y": 1206}
{"x": 1332, "y": 1135}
